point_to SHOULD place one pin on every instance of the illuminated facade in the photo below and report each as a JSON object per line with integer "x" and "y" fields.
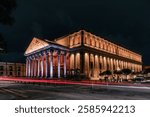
{"x": 81, "y": 50}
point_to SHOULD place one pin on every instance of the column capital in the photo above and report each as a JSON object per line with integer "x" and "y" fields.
{"x": 58, "y": 52}
{"x": 33, "y": 56}
{"x": 41, "y": 53}
{"x": 44, "y": 52}
{"x": 30, "y": 57}
{"x": 64, "y": 52}
{"x": 37, "y": 55}
{"x": 47, "y": 52}
{"x": 50, "y": 51}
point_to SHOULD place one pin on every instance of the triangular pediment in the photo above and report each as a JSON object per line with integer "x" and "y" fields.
{"x": 36, "y": 44}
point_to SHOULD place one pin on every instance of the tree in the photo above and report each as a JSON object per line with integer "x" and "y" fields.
{"x": 146, "y": 71}
{"x": 6, "y": 8}
{"x": 118, "y": 72}
{"x": 126, "y": 72}
{"x": 107, "y": 72}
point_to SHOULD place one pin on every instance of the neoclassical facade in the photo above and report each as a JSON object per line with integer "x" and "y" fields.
{"x": 81, "y": 50}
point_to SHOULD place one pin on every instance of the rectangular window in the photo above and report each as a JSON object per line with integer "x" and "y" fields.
{"x": 10, "y": 68}
{"x": 1, "y": 73}
{"x": 18, "y": 73}
{"x": 1, "y": 67}
{"x": 19, "y": 69}
{"x": 10, "y": 73}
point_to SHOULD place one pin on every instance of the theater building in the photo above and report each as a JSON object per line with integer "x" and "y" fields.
{"x": 81, "y": 50}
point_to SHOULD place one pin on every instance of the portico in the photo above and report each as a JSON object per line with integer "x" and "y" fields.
{"x": 49, "y": 62}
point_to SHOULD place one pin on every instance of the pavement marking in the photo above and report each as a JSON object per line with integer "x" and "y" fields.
{"x": 14, "y": 92}
{"x": 117, "y": 86}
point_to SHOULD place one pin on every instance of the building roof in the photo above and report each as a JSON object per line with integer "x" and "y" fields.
{"x": 38, "y": 44}
{"x": 12, "y": 57}
{"x": 98, "y": 36}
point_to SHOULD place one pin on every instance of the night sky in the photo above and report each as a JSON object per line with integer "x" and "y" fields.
{"x": 126, "y": 22}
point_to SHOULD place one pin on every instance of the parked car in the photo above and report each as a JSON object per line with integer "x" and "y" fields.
{"x": 139, "y": 78}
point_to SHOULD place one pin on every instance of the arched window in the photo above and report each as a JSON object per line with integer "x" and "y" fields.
{"x": 90, "y": 41}
{"x": 79, "y": 39}
{"x": 97, "y": 43}
{"x": 71, "y": 41}
{"x": 76, "y": 40}
{"x": 93, "y": 42}
{"x": 85, "y": 40}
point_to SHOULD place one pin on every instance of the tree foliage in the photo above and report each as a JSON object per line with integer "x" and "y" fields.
{"x": 118, "y": 72}
{"x": 126, "y": 71}
{"x": 107, "y": 72}
{"x": 146, "y": 71}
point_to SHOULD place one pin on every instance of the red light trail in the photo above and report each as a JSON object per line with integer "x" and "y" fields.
{"x": 68, "y": 82}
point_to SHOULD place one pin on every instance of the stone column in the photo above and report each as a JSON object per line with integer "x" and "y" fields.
{"x": 105, "y": 63}
{"x": 32, "y": 64}
{"x": 68, "y": 61}
{"x": 115, "y": 63}
{"x": 27, "y": 64}
{"x": 93, "y": 65}
{"x": 117, "y": 66}
{"x": 29, "y": 70}
{"x": 101, "y": 63}
{"x": 47, "y": 65}
{"x": 89, "y": 65}
{"x": 129, "y": 66}
{"x": 112, "y": 65}
{"x": 58, "y": 56}
{"x": 74, "y": 61}
{"x": 64, "y": 64}
{"x": 42, "y": 66}
{"x": 51, "y": 63}
{"x": 98, "y": 65}
{"x": 82, "y": 62}
{"x": 35, "y": 67}
{"x": 122, "y": 64}
{"x": 39, "y": 65}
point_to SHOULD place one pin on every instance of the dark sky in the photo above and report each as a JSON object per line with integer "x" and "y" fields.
{"x": 126, "y": 22}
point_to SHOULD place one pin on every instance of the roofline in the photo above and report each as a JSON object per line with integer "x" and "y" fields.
{"x": 67, "y": 35}
{"x": 48, "y": 47}
{"x": 119, "y": 45}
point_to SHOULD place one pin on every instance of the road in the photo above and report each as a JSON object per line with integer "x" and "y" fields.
{"x": 10, "y": 90}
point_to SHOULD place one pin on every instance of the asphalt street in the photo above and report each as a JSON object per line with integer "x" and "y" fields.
{"x": 10, "y": 90}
